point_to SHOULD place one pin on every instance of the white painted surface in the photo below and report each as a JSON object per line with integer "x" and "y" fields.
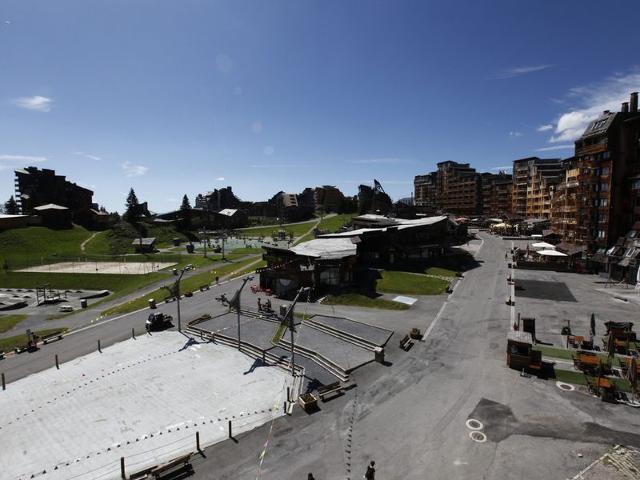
{"x": 405, "y": 300}
{"x": 141, "y": 399}
{"x": 121, "y": 268}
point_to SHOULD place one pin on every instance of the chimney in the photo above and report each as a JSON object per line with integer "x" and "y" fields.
{"x": 633, "y": 102}
{"x": 625, "y": 107}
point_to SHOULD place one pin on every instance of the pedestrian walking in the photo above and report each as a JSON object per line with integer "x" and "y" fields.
{"x": 311, "y": 477}
{"x": 371, "y": 471}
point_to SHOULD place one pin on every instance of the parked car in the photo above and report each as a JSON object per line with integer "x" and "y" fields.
{"x": 158, "y": 321}
{"x": 66, "y": 308}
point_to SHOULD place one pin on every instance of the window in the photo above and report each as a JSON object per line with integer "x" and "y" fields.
{"x": 604, "y": 202}
{"x": 605, "y": 155}
{"x": 604, "y": 171}
{"x": 601, "y": 234}
{"x": 604, "y": 187}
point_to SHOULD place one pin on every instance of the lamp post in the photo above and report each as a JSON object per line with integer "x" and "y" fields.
{"x": 235, "y": 303}
{"x": 289, "y": 316}
{"x": 176, "y": 292}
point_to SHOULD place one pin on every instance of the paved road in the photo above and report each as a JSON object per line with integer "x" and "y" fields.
{"x": 410, "y": 416}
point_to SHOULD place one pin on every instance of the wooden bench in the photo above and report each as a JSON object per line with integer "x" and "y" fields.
{"x": 406, "y": 343}
{"x": 180, "y": 462}
{"x": 330, "y": 389}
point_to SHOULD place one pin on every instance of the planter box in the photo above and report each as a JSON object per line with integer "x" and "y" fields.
{"x": 308, "y": 402}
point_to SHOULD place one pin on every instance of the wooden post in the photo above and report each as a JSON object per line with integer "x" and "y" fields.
{"x": 57, "y": 364}
{"x": 123, "y": 474}
{"x": 133, "y": 334}
{"x": 99, "y": 349}
{"x": 4, "y": 385}
{"x": 198, "y": 441}
{"x": 288, "y": 394}
{"x": 230, "y": 434}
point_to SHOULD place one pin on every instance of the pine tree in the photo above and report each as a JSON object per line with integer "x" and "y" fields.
{"x": 185, "y": 213}
{"x": 133, "y": 212}
{"x": 11, "y": 207}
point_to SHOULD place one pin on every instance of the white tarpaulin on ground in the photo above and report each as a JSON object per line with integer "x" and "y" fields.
{"x": 405, "y": 300}
{"x": 551, "y": 253}
{"x": 543, "y": 246}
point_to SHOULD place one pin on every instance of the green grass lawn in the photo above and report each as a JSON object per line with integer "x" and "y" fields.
{"x": 333, "y": 224}
{"x": 7, "y": 322}
{"x": 579, "y": 378}
{"x": 298, "y": 229}
{"x": 188, "y": 284}
{"x": 440, "y": 272}
{"x": 246, "y": 251}
{"x": 411, "y": 284}
{"x": 10, "y": 343}
{"x": 567, "y": 354}
{"x": 29, "y": 246}
{"x": 568, "y": 376}
{"x": 357, "y": 300}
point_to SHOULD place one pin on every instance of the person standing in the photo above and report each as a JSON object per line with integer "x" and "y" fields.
{"x": 371, "y": 471}
{"x": 311, "y": 477}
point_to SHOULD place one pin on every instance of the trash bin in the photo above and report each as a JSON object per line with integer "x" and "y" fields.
{"x": 83, "y": 303}
{"x": 152, "y": 303}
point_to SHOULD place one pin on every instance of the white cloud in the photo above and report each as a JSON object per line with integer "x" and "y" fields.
{"x": 515, "y": 134}
{"x": 37, "y": 103}
{"x": 545, "y": 128}
{"x": 517, "y": 71}
{"x": 555, "y": 147}
{"x": 9, "y": 161}
{"x": 224, "y": 63}
{"x": 590, "y": 101}
{"x": 131, "y": 170}
{"x": 220, "y": 179}
{"x": 88, "y": 156}
{"x": 269, "y": 150}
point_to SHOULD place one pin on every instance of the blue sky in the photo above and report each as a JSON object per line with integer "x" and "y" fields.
{"x": 175, "y": 97}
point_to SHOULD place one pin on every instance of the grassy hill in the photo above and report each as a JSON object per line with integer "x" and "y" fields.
{"x": 24, "y": 246}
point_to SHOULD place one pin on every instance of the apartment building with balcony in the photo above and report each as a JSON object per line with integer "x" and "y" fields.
{"x": 458, "y": 188}
{"x": 425, "y": 189}
{"x": 608, "y": 156}
{"x": 534, "y": 180}
{"x": 496, "y": 194}
{"x": 565, "y": 202}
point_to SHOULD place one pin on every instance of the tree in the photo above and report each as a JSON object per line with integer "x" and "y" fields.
{"x": 134, "y": 209}
{"x": 185, "y": 213}
{"x": 11, "y": 207}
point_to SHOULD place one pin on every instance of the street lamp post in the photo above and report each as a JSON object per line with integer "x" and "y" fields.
{"x": 176, "y": 292}
{"x": 235, "y": 303}
{"x": 289, "y": 316}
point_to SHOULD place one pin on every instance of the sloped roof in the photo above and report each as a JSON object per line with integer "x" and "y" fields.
{"x": 228, "y": 212}
{"x": 50, "y": 206}
{"x": 399, "y": 223}
{"x": 144, "y": 241}
{"x": 326, "y": 248}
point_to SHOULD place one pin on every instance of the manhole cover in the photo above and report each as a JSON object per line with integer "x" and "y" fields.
{"x": 478, "y": 437}
{"x": 474, "y": 424}
{"x": 565, "y": 386}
